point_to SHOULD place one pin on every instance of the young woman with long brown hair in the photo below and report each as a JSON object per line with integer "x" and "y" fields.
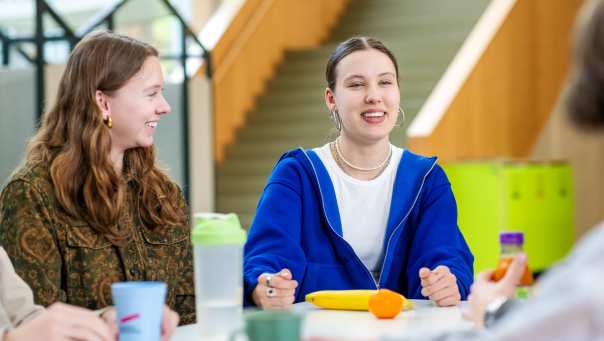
{"x": 90, "y": 206}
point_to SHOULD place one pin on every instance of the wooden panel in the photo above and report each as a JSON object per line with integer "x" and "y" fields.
{"x": 506, "y": 100}
{"x": 554, "y": 43}
{"x": 561, "y": 140}
{"x": 246, "y": 56}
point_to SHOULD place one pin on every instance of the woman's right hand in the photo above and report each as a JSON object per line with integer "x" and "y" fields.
{"x": 484, "y": 290}
{"x": 62, "y": 322}
{"x": 275, "y": 291}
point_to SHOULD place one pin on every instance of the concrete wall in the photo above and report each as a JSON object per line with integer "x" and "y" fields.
{"x": 168, "y": 137}
{"x": 16, "y": 118}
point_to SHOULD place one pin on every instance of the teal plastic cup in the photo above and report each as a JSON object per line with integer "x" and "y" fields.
{"x": 139, "y": 308}
{"x": 273, "y": 325}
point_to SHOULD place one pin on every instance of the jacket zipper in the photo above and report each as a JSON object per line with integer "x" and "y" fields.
{"x": 404, "y": 218}
{"x": 376, "y": 284}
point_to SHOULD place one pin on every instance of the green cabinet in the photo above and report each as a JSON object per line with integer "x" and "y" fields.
{"x": 535, "y": 198}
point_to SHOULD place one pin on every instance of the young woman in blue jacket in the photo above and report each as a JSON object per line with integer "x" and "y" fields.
{"x": 358, "y": 212}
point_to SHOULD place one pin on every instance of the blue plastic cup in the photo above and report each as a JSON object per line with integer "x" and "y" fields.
{"x": 139, "y": 308}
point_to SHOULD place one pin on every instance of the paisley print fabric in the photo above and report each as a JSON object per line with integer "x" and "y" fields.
{"x": 63, "y": 259}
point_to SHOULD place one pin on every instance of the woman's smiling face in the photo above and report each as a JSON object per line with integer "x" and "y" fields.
{"x": 366, "y": 95}
{"x": 136, "y": 107}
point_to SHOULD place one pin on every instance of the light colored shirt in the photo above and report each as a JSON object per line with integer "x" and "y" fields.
{"x": 16, "y": 299}
{"x": 364, "y": 206}
{"x": 568, "y": 302}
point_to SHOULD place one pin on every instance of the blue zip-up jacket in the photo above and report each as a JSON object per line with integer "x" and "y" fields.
{"x": 297, "y": 226}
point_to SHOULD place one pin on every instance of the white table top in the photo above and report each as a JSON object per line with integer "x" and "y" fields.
{"x": 355, "y": 325}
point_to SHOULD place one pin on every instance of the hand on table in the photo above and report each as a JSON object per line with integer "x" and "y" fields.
{"x": 484, "y": 290}
{"x": 440, "y": 285}
{"x": 63, "y": 322}
{"x": 169, "y": 322}
{"x": 275, "y": 291}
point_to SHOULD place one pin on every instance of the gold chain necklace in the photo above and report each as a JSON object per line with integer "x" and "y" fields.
{"x": 341, "y": 164}
{"x": 349, "y": 164}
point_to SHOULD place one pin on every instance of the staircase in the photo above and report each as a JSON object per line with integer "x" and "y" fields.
{"x": 424, "y": 35}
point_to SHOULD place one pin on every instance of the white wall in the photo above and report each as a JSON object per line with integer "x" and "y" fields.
{"x": 201, "y": 137}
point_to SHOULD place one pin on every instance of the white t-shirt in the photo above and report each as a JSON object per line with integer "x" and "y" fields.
{"x": 364, "y": 207}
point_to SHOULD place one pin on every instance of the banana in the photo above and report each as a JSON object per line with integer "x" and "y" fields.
{"x": 345, "y": 299}
{"x": 341, "y": 299}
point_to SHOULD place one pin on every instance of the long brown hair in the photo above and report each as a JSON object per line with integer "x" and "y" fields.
{"x": 75, "y": 143}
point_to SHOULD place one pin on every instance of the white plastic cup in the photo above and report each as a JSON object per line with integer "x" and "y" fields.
{"x": 140, "y": 307}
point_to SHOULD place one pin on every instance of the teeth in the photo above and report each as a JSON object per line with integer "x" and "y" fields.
{"x": 374, "y": 114}
{"x": 152, "y": 124}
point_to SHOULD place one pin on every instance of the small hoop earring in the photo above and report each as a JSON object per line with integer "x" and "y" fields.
{"x": 400, "y": 119}
{"x": 335, "y": 117}
{"x": 108, "y": 122}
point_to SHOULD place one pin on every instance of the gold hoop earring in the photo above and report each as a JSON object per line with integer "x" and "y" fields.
{"x": 108, "y": 122}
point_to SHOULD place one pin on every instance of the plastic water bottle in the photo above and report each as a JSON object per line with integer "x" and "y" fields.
{"x": 512, "y": 244}
{"x": 218, "y": 248}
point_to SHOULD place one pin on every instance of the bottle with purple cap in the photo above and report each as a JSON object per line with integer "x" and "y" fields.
{"x": 512, "y": 244}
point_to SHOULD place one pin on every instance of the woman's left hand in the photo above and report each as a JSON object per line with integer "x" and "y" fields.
{"x": 440, "y": 285}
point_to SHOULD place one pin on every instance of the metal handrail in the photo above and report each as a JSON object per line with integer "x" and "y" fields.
{"x": 206, "y": 53}
{"x": 73, "y": 37}
{"x": 103, "y": 17}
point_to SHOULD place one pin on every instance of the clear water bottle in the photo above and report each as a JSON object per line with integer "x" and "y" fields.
{"x": 218, "y": 248}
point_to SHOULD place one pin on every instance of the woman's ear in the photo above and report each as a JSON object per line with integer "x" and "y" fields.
{"x": 102, "y": 103}
{"x": 330, "y": 99}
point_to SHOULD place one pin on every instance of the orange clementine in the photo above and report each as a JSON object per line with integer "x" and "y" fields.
{"x": 386, "y": 304}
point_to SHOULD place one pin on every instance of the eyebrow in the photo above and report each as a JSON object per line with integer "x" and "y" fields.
{"x": 388, "y": 73}
{"x": 153, "y": 87}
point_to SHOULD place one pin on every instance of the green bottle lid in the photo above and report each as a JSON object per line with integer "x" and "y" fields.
{"x": 217, "y": 229}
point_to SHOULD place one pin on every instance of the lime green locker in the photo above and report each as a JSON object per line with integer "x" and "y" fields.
{"x": 535, "y": 198}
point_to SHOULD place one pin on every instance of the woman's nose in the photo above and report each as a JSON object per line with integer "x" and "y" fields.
{"x": 164, "y": 107}
{"x": 373, "y": 95}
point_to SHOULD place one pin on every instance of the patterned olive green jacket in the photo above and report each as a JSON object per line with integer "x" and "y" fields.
{"x": 64, "y": 259}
